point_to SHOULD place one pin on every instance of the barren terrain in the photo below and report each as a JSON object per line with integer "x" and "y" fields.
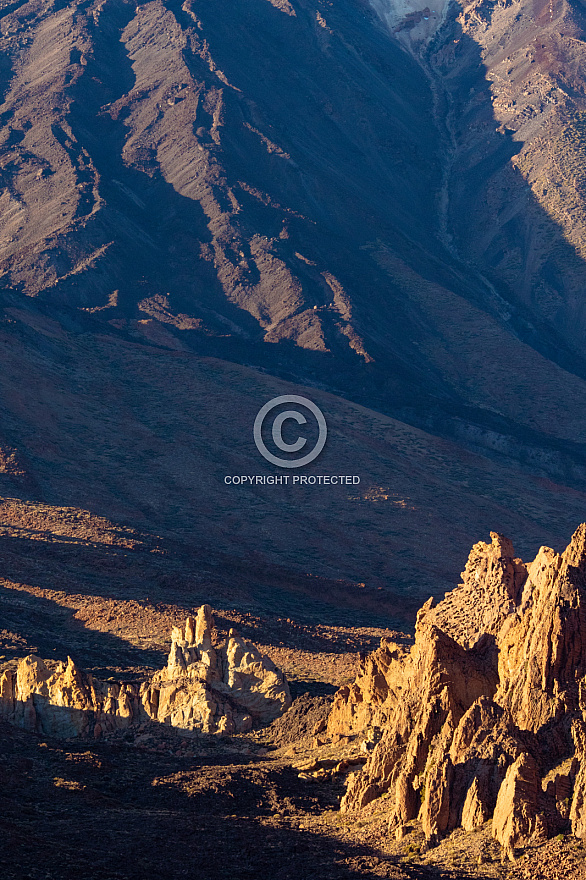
{"x": 206, "y": 205}
{"x": 173, "y": 803}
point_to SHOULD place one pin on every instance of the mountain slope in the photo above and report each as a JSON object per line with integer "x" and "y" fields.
{"x": 146, "y": 436}
{"x": 207, "y": 205}
{"x": 224, "y": 171}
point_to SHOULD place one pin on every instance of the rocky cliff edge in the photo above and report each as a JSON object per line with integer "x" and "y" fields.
{"x": 484, "y": 718}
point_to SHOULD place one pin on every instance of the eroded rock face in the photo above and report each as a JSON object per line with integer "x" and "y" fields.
{"x": 227, "y": 689}
{"x": 485, "y": 717}
{"x": 224, "y": 690}
{"x": 60, "y": 700}
{"x": 429, "y": 691}
{"x": 542, "y": 656}
{"x": 490, "y": 590}
{"x": 518, "y": 818}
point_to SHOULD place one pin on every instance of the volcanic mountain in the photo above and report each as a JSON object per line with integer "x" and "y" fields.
{"x": 207, "y": 205}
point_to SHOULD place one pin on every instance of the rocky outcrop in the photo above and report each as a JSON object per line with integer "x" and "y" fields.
{"x": 226, "y": 689}
{"x": 517, "y": 816}
{"x": 542, "y": 656}
{"x": 366, "y": 704}
{"x": 429, "y": 691}
{"x": 490, "y": 590}
{"x": 578, "y": 808}
{"x": 485, "y": 717}
{"x": 58, "y": 699}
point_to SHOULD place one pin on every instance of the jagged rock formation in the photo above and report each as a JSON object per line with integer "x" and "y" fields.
{"x": 58, "y": 699}
{"x": 216, "y": 690}
{"x": 485, "y": 716}
{"x": 491, "y": 571}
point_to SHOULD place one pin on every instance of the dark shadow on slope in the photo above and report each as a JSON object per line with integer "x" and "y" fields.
{"x": 405, "y": 382}
{"x": 484, "y": 147}
{"x": 164, "y": 582}
{"x": 111, "y": 812}
{"x": 284, "y": 102}
{"x": 34, "y": 624}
